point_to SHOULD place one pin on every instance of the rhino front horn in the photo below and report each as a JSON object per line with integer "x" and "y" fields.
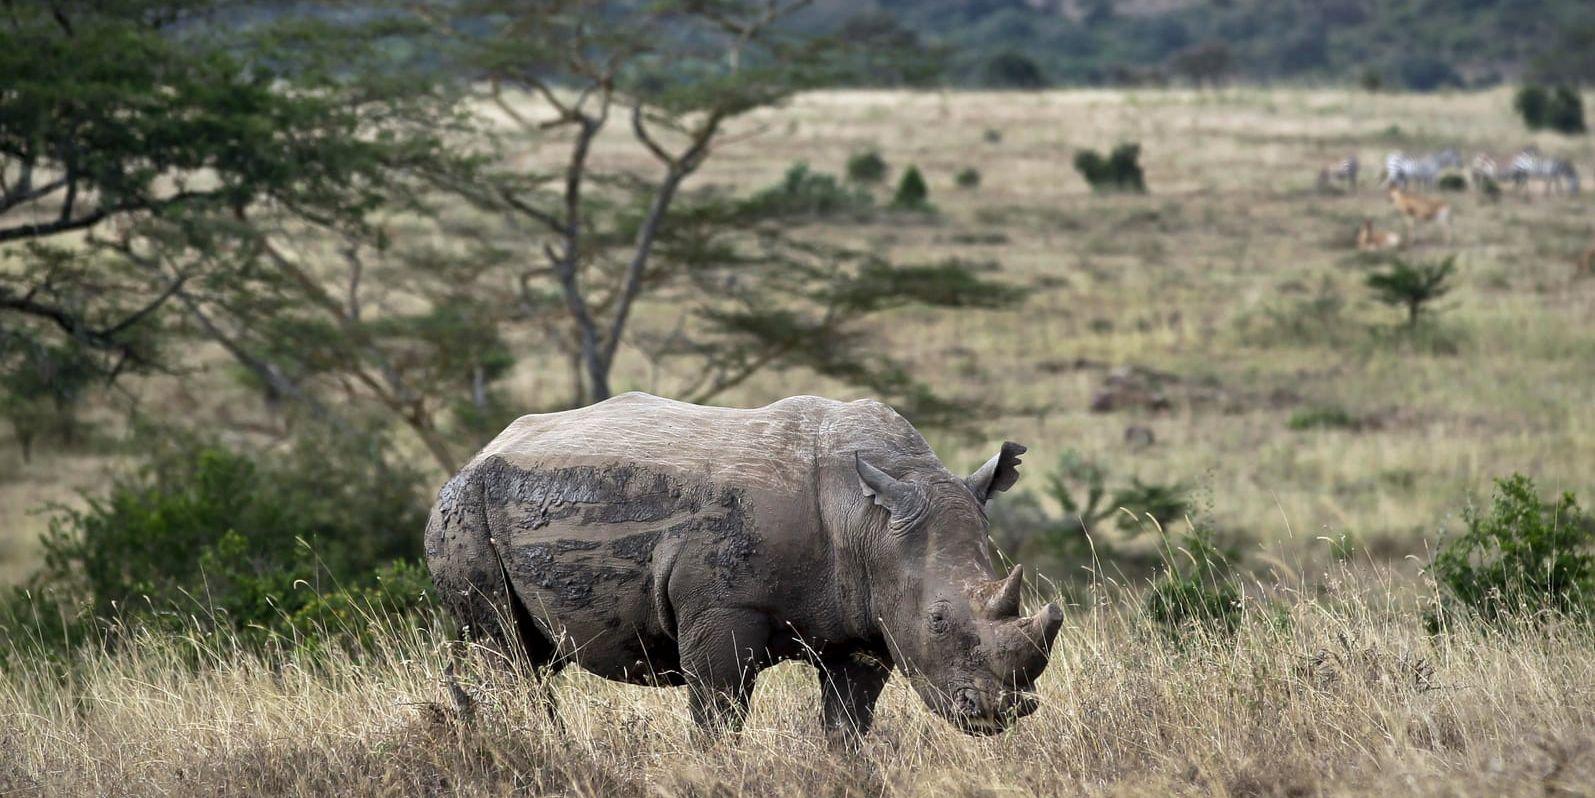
{"x": 1045, "y": 625}
{"x": 1005, "y": 602}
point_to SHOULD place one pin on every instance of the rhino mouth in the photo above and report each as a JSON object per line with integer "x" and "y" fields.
{"x": 981, "y": 715}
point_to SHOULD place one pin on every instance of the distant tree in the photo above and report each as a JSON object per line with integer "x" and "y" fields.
{"x": 1560, "y": 108}
{"x": 912, "y": 193}
{"x": 1203, "y": 64}
{"x": 1412, "y": 286}
{"x": 1532, "y": 102}
{"x": 1013, "y": 70}
{"x": 1424, "y": 72}
{"x": 1096, "y": 12}
{"x": 1371, "y": 80}
{"x": 1120, "y": 171}
{"x": 866, "y": 167}
{"x": 1565, "y": 111}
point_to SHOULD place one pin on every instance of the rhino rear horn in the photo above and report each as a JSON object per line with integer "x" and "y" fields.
{"x": 1005, "y": 602}
{"x": 998, "y": 474}
{"x": 898, "y": 497}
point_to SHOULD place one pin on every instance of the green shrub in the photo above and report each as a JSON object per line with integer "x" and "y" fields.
{"x": 1523, "y": 555}
{"x": 1566, "y": 112}
{"x": 912, "y": 193}
{"x": 969, "y": 177}
{"x": 1198, "y": 590}
{"x": 866, "y": 167}
{"x": 41, "y": 387}
{"x": 1120, "y": 171}
{"x": 1453, "y": 183}
{"x": 1013, "y": 70}
{"x": 1560, "y": 109}
{"x": 255, "y": 544}
{"x": 803, "y": 192}
{"x": 1412, "y": 286}
{"x": 1531, "y": 102}
{"x": 1326, "y": 417}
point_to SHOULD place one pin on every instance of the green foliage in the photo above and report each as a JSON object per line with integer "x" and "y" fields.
{"x": 968, "y": 177}
{"x": 1081, "y": 489}
{"x": 41, "y": 387}
{"x": 1371, "y": 80}
{"x": 1120, "y": 171}
{"x": 1522, "y": 556}
{"x": 866, "y": 167}
{"x": 1322, "y": 417}
{"x": 1560, "y": 108}
{"x": 1199, "y": 591}
{"x": 1455, "y": 183}
{"x": 1013, "y": 70}
{"x": 912, "y": 193}
{"x": 259, "y": 545}
{"x": 1532, "y": 103}
{"x": 805, "y": 193}
{"x": 1412, "y": 286}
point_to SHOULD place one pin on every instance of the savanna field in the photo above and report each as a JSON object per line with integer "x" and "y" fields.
{"x": 1214, "y": 334}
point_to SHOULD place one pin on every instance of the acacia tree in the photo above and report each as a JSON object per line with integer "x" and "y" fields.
{"x": 167, "y": 178}
{"x": 565, "y": 82}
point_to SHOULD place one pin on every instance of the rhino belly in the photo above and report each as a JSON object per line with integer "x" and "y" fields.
{"x": 589, "y": 550}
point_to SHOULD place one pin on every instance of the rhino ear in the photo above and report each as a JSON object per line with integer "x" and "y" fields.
{"x": 998, "y": 474}
{"x": 898, "y": 497}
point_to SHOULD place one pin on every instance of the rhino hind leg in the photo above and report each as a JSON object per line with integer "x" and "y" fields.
{"x": 722, "y": 652}
{"x": 849, "y": 688}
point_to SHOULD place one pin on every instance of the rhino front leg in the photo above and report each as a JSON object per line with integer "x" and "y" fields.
{"x": 849, "y": 687}
{"x": 721, "y": 655}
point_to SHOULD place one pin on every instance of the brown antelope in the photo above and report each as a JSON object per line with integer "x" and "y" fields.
{"x": 1371, "y": 240}
{"x": 1586, "y": 263}
{"x": 1416, "y": 208}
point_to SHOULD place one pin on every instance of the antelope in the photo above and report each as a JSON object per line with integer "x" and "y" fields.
{"x": 1416, "y": 208}
{"x": 1586, "y": 262}
{"x": 1371, "y": 240}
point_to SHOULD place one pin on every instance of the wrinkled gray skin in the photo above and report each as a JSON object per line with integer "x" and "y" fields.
{"x": 655, "y": 542}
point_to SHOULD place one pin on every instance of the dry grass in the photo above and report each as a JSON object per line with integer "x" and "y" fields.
{"x": 1332, "y": 690}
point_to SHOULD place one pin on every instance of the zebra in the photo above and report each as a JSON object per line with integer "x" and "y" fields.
{"x": 1402, "y": 169}
{"x": 1344, "y": 170}
{"x": 1556, "y": 173}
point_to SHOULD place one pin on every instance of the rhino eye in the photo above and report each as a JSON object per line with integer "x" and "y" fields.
{"x": 938, "y": 620}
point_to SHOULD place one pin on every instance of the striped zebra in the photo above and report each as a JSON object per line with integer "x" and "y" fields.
{"x": 1402, "y": 169}
{"x": 1557, "y": 174}
{"x": 1344, "y": 170}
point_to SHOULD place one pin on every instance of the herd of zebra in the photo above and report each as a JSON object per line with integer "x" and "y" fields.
{"x": 1402, "y": 170}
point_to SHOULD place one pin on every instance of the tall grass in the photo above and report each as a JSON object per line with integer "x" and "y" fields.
{"x": 1322, "y": 690}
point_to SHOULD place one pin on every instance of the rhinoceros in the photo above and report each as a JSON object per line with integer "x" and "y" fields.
{"x": 661, "y": 543}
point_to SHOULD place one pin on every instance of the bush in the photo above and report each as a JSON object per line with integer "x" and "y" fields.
{"x": 1309, "y": 418}
{"x": 1412, "y": 286}
{"x": 1453, "y": 183}
{"x": 1524, "y": 555}
{"x": 969, "y": 177}
{"x": 1120, "y": 171}
{"x": 1560, "y": 109}
{"x": 1198, "y": 592}
{"x": 803, "y": 192}
{"x": 912, "y": 193}
{"x": 1532, "y": 103}
{"x": 1013, "y": 70}
{"x": 866, "y": 167}
{"x": 1566, "y": 112}
{"x": 255, "y": 544}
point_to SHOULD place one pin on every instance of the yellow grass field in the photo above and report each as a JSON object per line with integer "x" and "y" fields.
{"x": 1236, "y": 280}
